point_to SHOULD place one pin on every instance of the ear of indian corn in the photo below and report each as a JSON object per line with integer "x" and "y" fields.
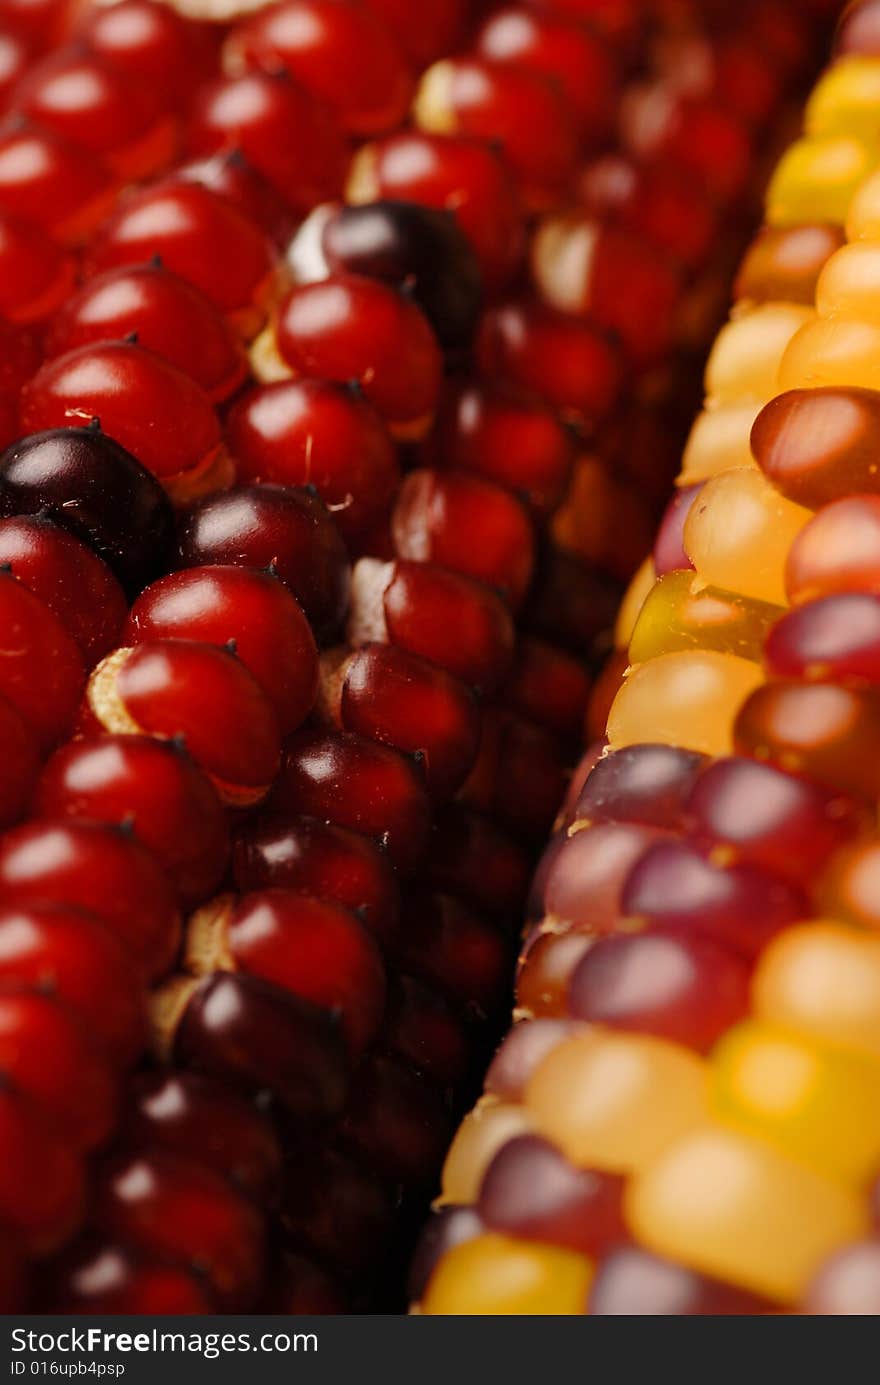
{"x": 699, "y": 985}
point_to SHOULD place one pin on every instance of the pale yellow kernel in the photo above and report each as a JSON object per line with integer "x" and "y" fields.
{"x": 478, "y": 1139}
{"x": 846, "y": 99}
{"x": 817, "y": 178}
{"x": 745, "y": 359}
{"x": 823, "y": 980}
{"x": 614, "y": 1101}
{"x": 689, "y": 699}
{"x": 738, "y": 534}
{"x": 719, "y": 441}
{"x": 736, "y": 1208}
{"x": 638, "y": 589}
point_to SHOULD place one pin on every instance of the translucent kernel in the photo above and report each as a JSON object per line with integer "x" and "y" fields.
{"x": 736, "y": 1208}
{"x": 835, "y": 351}
{"x": 478, "y": 1139}
{"x": 614, "y": 1101}
{"x": 681, "y": 612}
{"x": 747, "y": 352}
{"x": 688, "y": 699}
{"x": 826, "y": 731}
{"x": 822, "y": 980}
{"x": 817, "y": 1105}
{"x": 816, "y": 179}
{"x": 493, "y": 1274}
{"x": 739, "y": 532}
{"x": 846, "y": 100}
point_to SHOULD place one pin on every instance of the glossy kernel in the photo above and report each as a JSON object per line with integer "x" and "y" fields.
{"x": 253, "y": 612}
{"x": 826, "y": 731}
{"x": 784, "y": 823}
{"x": 745, "y": 357}
{"x": 820, "y": 445}
{"x": 523, "y": 110}
{"x": 680, "y": 613}
{"x": 256, "y": 113}
{"x": 149, "y": 407}
{"x": 160, "y": 688}
{"x": 321, "y": 433}
{"x": 169, "y": 317}
{"x": 677, "y": 886}
{"x": 200, "y": 236}
{"x": 836, "y": 551}
{"x": 315, "y": 949}
{"x": 686, "y": 989}
{"x": 342, "y": 54}
{"x": 89, "y": 485}
{"x": 461, "y": 521}
{"x": 350, "y": 327}
{"x": 836, "y": 638}
{"x": 150, "y": 787}
{"x": 484, "y": 1131}
{"x": 642, "y": 783}
{"x": 836, "y": 351}
{"x": 279, "y": 527}
{"x": 456, "y": 173}
{"x": 532, "y": 1192}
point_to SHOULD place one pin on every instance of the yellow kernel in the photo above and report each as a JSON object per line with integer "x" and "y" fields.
{"x": 738, "y": 534}
{"x": 846, "y": 100}
{"x": 863, "y": 218}
{"x": 849, "y": 283}
{"x": 745, "y": 358}
{"x": 719, "y": 441}
{"x": 682, "y": 613}
{"x": 638, "y": 589}
{"x": 497, "y": 1275}
{"x": 735, "y": 1207}
{"x": 819, "y": 1105}
{"x": 817, "y": 178}
{"x": 822, "y": 980}
{"x": 689, "y": 699}
{"x": 478, "y": 1139}
{"x": 613, "y": 1101}
{"x": 836, "y": 351}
